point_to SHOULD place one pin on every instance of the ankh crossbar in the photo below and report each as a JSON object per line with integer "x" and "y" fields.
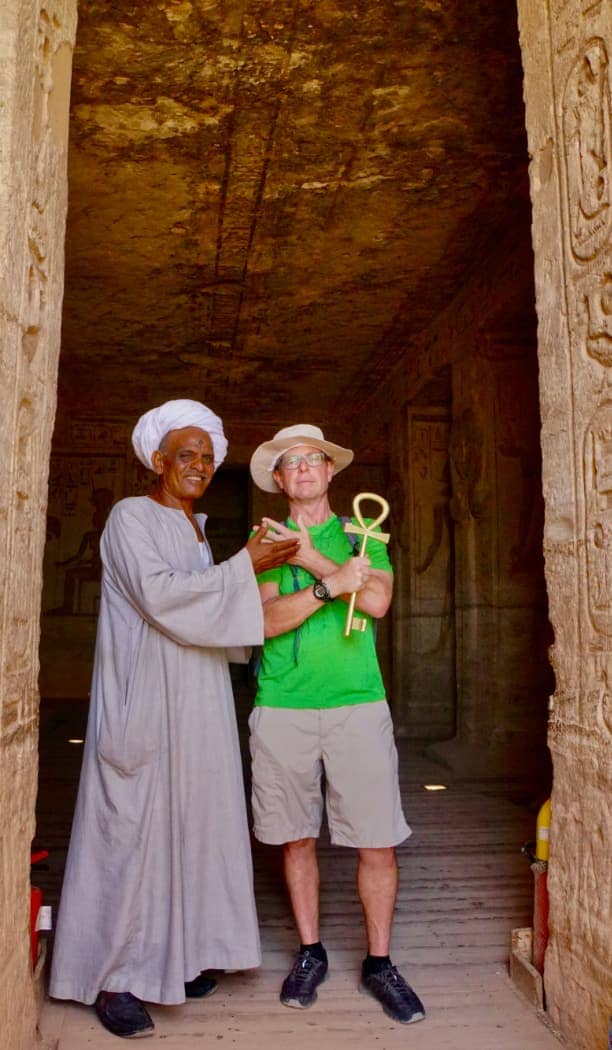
{"x": 357, "y": 623}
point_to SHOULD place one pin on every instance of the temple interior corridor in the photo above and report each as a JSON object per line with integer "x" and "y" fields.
{"x": 393, "y": 221}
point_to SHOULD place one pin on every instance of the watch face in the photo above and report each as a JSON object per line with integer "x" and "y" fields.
{"x": 320, "y": 591}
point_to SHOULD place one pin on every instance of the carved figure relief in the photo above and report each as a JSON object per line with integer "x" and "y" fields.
{"x": 520, "y": 506}
{"x": 430, "y": 516}
{"x": 588, "y": 158}
{"x": 85, "y": 566}
{"x": 598, "y": 303}
{"x": 598, "y": 485}
{"x": 82, "y": 490}
{"x": 600, "y": 697}
{"x": 431, "y": 545}
{"x": 466, "y": 454}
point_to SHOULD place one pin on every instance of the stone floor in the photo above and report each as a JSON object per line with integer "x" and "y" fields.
{"x": 464, "y": 886}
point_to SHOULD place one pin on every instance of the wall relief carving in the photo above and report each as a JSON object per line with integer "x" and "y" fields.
{"x": 466, "y": 458}
{"x": 430, "y": 497}
{"x": 82, "y": 490}
{"x": 20, "y": 625}
{"x": 598, "y": 305}
{"x": 520, "y": 506}
{"x": 598, "y": 493}
{"x": 588, "y": 157}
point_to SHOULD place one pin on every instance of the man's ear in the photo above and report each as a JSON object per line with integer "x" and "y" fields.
{"x": 157, "y": 460}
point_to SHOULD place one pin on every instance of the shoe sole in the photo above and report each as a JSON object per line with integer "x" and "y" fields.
{"x": 205, "y": 995}
{"x": 132, "y": 1035}
{"x": 295, "y": 1004}
{"x": 418, "y": 1016}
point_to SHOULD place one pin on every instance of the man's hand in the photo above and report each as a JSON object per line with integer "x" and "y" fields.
{"x": 266, "y": 552}
{"x": 352, "y": 576}
{"x": 305, "y": 552}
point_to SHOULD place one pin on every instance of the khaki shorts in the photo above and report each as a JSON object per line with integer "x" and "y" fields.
{"x": 354, "y": 747}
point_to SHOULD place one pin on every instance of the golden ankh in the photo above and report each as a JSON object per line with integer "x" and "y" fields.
{"x": 358, "y": 623}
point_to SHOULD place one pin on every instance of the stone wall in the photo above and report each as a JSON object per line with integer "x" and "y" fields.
{"x": 567, "y": 47}
{"x": 36, "y": 47}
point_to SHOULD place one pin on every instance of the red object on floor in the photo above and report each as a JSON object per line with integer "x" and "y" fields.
{"x": 540, "y": 917}
{"x": 36, "y": 899}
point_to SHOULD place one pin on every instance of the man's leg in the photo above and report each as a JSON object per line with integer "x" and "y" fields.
{"x": 377, "y": 880}
{"x": 310, "y": 968}
{"x": 302, "y": 877}
{"x": 377, "y": 887}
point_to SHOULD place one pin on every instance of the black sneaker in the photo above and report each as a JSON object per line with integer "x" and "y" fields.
{"x": 394, "y": 994}
{"x": 200, "y": 987}
{"x": 123, "y": 1015}
{"x": 300, "y": 985}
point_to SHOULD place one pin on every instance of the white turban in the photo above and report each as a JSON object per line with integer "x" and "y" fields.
{"x": 152, "y": 428}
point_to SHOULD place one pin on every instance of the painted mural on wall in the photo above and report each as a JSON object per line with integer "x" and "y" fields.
{"x": 91, "y": 469}
{"x": 82, "y": 490}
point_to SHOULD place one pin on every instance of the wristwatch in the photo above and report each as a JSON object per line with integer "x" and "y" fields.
{"x": 321, "y": 591}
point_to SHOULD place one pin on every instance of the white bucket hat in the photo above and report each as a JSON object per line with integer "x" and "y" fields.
{"x": 266, "y": 455}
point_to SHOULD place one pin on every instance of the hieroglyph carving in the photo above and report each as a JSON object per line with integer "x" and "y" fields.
{"x": 19, "y": 640}
{"x": 598, "y": 304}
{"x": 588, "y": 158}
{"x": 598, "y": 502}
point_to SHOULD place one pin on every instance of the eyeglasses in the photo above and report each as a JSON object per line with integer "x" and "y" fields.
{"x": 293, "y": 461}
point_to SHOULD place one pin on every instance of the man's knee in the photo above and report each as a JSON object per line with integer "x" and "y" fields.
{"x": 382, "y": 858}
{"x": 299, "y": 847}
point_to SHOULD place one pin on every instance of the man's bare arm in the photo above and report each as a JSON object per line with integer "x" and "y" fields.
{"x": 374, "y": 597}
{"x": 285, "y": 612}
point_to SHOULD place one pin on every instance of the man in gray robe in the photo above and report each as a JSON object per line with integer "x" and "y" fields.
{"x": 158, "y": 884}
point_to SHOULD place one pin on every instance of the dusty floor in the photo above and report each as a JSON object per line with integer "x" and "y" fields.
{"x": 464, "y": 886}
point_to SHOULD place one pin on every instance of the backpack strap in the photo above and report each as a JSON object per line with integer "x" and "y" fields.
{"x": 352, "y": 537}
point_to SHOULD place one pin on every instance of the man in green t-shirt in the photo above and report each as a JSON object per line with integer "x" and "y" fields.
{"x": 320, "y": 708}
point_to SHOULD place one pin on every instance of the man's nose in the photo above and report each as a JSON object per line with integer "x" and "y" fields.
{"x": 303, "y": 464}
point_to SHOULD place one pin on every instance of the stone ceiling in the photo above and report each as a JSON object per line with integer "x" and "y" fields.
{"x": 270, "y": 199}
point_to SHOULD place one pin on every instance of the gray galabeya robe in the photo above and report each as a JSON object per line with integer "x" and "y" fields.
{"x": 158, "y": 883}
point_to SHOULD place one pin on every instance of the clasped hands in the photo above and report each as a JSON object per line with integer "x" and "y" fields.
{"x": 297, "y": 548}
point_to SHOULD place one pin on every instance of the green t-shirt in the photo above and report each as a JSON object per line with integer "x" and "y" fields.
{"x": 315, "y": 666}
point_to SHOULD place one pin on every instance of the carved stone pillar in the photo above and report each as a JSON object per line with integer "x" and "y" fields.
{"x": 567, "y": 50}
{"x": 36, "y": 45}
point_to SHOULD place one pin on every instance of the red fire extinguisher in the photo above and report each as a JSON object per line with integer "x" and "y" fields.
{"x": 36, "y": 899}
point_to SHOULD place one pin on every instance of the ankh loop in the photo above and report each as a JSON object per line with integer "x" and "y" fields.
{"x": 357, "y": 623}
